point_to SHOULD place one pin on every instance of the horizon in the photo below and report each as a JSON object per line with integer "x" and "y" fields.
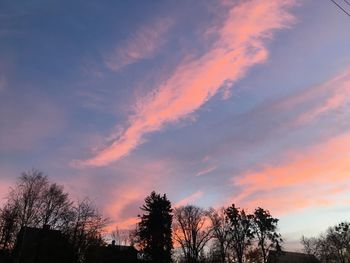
{"x": 210, "y": 102}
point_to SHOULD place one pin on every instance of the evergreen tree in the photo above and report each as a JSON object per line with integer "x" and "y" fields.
{"x": 155, "y": 229}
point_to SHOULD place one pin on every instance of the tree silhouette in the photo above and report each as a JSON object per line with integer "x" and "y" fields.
{"x": 155, "y": 229}
{"x": 331, "y": 246}
{"x": 265, "y": 230}
{"x": 241, "y": 230}
{"x": 84, "y": 228}
{"x": 36, "y": 202}
{"x": 55, "y": 206}
{"x": 191, "y": 231}
{"x": 27, "y": 197}
{"x": 8, "y": 225}
{"x": 221, "y": 233}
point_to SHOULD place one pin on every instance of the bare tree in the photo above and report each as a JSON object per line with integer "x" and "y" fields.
{"x": 27, "y": 197}
{"x": 85, "y": 228}
{"x": 310, "y": 245}
{"x": 36, "y": 202}
{"x": 121, "y": 236}
{"x": 8, "y": 225}
{"x": 192, "y": 231}
{"x": 221, "y": 232}
{"x": 253, "y": 255}
{"x": 338, "y": 239}
{"x": 55, "y": 206}
{"x": 331, "y": 246}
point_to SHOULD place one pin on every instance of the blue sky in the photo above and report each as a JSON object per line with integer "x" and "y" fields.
{"x": 211, "y": 102}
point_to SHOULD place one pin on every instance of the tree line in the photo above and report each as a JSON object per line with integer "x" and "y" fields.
{"x": 332, "y": 246}
{"x": 188, "y": 234}
{"x": 204, "y": 235}
{"x": 34, "y": 201}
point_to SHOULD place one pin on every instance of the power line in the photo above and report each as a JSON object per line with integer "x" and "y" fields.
{"x": 341, "y": 7}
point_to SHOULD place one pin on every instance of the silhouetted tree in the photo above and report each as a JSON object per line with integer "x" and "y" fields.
{"x": 265, "y": 231}
{"x": 338, "y": 238}
{"x": 253, "y": 255}
{"x": 155, "y": 229}
{"x": 221, "y": 234}
{"x": 121, "y": 236}
{"x": 8, "y": 225}
{"x": 84, "y": 228}
{"x": 55, "y": 206}
{"x": 332, "y": 246}
{"x": 27, "y": 197}
{"x": 192, "y": 231}
{"x": 22, "y": 206}
{"x": 34, "y": 202}
{"x": 241, "y": 230}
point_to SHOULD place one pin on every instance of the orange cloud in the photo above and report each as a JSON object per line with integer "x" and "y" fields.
{"x": 317, "y": 176}
{"x": 140, "y": 45}
{"x": 241, "y": 44}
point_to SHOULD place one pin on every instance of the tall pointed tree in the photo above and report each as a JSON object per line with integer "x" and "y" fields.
{"x": 155, "y": 229}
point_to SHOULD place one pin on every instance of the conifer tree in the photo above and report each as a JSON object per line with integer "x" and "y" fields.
{"x": 155, "y": 229}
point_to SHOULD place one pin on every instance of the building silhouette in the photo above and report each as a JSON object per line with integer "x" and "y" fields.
{"x": 42, "y": 245}
{"x": 112, "y": 254}
{"x": 290, "y": 257}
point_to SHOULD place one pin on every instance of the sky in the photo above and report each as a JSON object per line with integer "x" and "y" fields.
{"x": 211, "y": 102}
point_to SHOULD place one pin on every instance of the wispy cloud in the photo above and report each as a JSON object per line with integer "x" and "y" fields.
{"x": 206, "y": 170}
{"x": 140, "y": 45}
{"x": 337, "y": 92}
{"x": 189, "y": 199}
{"x": 241, "y": 44}
{"x": 279, "y": 119}
{"x": 315, "y": 176}
{"x": 311, "y": 103}
{"x": 124, "y": 187}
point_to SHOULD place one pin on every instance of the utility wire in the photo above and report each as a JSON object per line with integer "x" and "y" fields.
{"x": 341, "y": 7}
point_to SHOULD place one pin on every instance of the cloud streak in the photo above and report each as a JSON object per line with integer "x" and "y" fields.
{"x": 313, "y": 102}
{"x": 241, "y": 44}
{"x": 206, "y": 170}
{"x": 140, "y": 45}
{"x": 312, "y": 177}
{"x": 189, "y": 199}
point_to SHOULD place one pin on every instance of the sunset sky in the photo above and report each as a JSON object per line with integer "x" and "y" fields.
{"x": 212, "y": 102}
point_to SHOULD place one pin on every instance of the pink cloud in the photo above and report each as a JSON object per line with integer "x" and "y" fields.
{"x": 316, "y": 101}
{"x": 206, "y": 170}
{"x": 140, "y": 45}
{"x": 317, "y": 176}
{"x": 241, "y": 44}
{"x": 189, "y": 199}
{"x": 127, "y": 187}
{"x": 339, "y": 89}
